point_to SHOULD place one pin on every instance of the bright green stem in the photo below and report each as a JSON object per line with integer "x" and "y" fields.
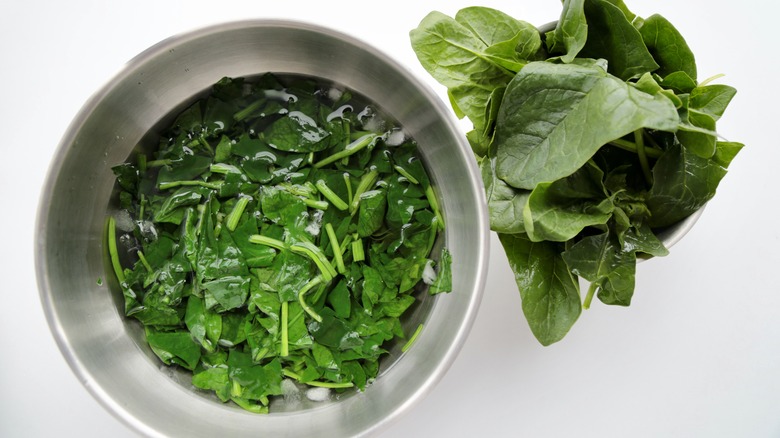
{"x": 196, "y": 182}
{"x": 631, "y": 147}
{"x": 203, "y": 142}
{"x": 330, "y": 195}
{"x": 320, "y": 290}
{"x": 306, "y": 288}
{"x": 589, "y": 297}
{"x": 348, "y": 182}
{"x": 223, "y": 168}
{"x": 141, "y": 206}
{"x": 158, "y": 163}
{"x": 235, "y": 389}
{"x": 352, "y": 148}
{"x": 406, "y": 174}
{"x": 145, "y": 262}
{"x": 336, "y": 248}
{"x": 319, "y": 205}
{"x": 267, "y": 241}
{"x": 249, "y": 406}
{"x": 113, "y": 252}
{"x": 641, "y": 153}
{"x": 366, "y": 182}
{"x": 246, "y": 112}
{"x": 332, "y": 385}
{"x": 317, "y": 256}
{"x": 710, "y": 79}
{"x": 260, "y": 355}
{"x": 141, "y": 162}
{"x": 236, "y": 212}
{"x": 432, "y": 236}
{"x": 412, "y": 339}
{"x": 433, "y": 201}
{"x": 358, "y": 255}
{"x": 285, "y": 351}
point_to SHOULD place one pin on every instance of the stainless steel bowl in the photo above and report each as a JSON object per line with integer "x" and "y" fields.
{"x": 106, "y": 352}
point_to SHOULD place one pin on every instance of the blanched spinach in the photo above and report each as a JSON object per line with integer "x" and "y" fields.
{"x": 276, "y": 234}
{"x": 596, "y": 135}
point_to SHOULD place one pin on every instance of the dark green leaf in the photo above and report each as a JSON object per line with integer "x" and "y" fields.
{"x": 668, "y": 47}
{"x": 611, "y": 36}
{"x": 555, "y": 117}
{"x": 560, "y": 210}
{"x": 443, "y": 282}
{"x": 683, "y": 183}
{"x": 711, "y": 99}
{"x": 549, "y": 292}
{"x": 571, "y": 31}
{"x": 506, "y": 204}
{"x": 174, "y": 347}
{"x": 454, "y": 56}
{"x": 599, "y": 260}
{"x": 371, "y": 214}
{"x": 256, "y": 381}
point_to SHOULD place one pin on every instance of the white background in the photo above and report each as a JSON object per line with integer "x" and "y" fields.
{"x": 696, "y": 355}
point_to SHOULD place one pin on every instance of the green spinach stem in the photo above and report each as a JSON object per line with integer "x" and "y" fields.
{"x": 412, "y": 339}
{"x": 141, "y": 206}
{"x": 223, "y": 168}
{"x": 246, "y": 112}
{"x": 306, "y": 288}
{"x": 366, "y": 182}
{"x": 236, "y": 212}
{"x": 320, "y": 384}
{"x": 113, "y": 252}
{"x": 159, "y": 163}
{"x": 355, "y": 146}
{"x": 641, "y": 153}
{"x": 348, "y": 182}
{"x": 203, "y": 142}
{"x": 334, "y": 242}
{"x": 285, "y": 348}
{"x": 358, "y": 255}
{"x": 434, "y": 203}
{"x": 267, "y": 241}
{"x": 196, "y": 182}
{"x": 406, "y": 174}
{"x": 632, "y": 147}
{"x": 710, "y": 79}
{"x": 145, "y": 262}
{"x": 330, "y": 195}
{"x": 317, "y": 256}
{"x": 319, "y": 205}
{"x": 141, "y": 162}
{"x": 589, "y": 297}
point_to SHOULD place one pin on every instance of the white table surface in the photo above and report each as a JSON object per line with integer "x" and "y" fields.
{"x": 696, "y": 355}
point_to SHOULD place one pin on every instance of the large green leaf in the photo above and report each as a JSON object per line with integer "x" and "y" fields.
{"x": 600, "y": 260}
{"x": 571, "y": 31}
{"x": 505, "y": 203}
{"x": 455, "y": 56}
{"x": 554, "y": 117}
{"x": 668, "y": 47}
{"x": 611, "y": 36}
{"x": 549, "y": 293}
{"x": 711, "y": 99}
{"x": 560, "y": 210}
{"x": 683, "y": 183}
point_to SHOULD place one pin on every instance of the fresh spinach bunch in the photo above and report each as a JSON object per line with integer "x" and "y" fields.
{"x": 591, "y": 137}
{"x": 280, "y": 229}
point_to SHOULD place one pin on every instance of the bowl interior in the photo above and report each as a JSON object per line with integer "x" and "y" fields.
{"x": 106, "y": 351}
